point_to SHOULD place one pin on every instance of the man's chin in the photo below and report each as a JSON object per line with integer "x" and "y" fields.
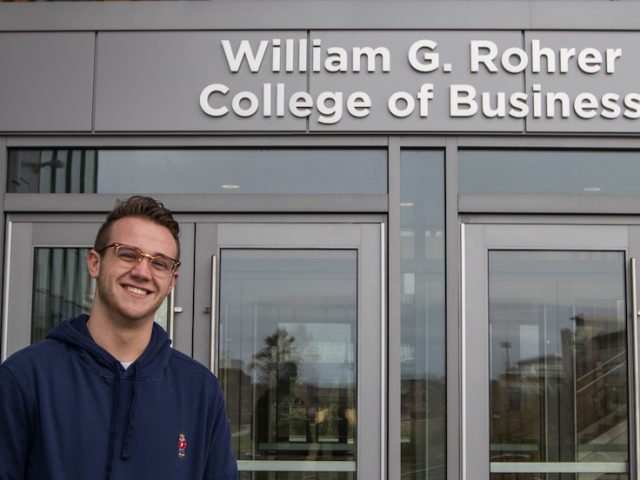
{"x": 135, "y": 319}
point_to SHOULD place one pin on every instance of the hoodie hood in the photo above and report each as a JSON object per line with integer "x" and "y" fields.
{"x": 125, "y": 384}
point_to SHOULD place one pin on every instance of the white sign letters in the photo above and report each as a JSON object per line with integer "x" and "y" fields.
{"x": 425, "y": 64}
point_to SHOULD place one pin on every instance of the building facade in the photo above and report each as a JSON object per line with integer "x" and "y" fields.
{"x": 409, "y": 229}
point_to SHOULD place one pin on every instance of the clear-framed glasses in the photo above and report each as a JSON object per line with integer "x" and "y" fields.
{"x": 133, "y": 256}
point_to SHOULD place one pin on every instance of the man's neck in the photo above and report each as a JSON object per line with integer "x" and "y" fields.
{"x": 124, "y": 344}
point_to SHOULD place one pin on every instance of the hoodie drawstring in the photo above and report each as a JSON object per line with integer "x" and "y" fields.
{"x": 125, "y": 454}
{"x": 115, "y": 403}
{"x": 115, "y": 413}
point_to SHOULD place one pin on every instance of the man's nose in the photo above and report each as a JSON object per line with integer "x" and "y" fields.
{"x": 142, "y": 268}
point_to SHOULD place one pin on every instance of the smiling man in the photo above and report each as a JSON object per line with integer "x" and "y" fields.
{"x": 105, "y": 396}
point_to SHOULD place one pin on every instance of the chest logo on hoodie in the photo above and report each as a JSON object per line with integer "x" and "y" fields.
{"x": 182, "y": 445}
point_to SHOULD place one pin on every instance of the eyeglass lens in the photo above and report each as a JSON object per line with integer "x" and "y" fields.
{"x": 133, "y": 255}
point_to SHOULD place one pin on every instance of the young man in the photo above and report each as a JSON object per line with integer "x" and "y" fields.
{"x": 104, "y": 396}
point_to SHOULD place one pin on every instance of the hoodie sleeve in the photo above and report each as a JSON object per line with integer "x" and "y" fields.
{"x": 14, "y": 427}
{"x": 221, "y": 463}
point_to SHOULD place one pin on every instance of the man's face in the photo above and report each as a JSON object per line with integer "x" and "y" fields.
{"x": 128, "y": 292}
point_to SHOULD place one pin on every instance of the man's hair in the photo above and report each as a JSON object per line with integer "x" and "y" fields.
{"x": 142, "y": 207}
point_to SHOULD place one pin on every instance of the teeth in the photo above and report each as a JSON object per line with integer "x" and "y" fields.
{"x": 137, "y": 291}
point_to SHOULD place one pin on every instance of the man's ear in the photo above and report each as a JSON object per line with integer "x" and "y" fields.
{"x": 174, "y": 279}
{"x": 93, "y": 263}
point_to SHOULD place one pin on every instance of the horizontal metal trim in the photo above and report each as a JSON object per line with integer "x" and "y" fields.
{"x": 266, "y": 14}
{"x": 604, "y": 204}
{"x": 335, "y": 14}
{"x": 294, "y": 466}
{"x": 243, "y": 140}
{"x": 361, "y": 140}
{"x": 567, "y": 141}
{"x": 214, "y": 203}
{"x": 559, "y": 467}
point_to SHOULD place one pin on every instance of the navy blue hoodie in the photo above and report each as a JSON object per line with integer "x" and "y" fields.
{"x": 70, "y": 411}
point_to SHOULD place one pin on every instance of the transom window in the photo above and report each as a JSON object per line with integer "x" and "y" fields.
{"x": 548, "y": 172}
{"x": 274, "y": 171}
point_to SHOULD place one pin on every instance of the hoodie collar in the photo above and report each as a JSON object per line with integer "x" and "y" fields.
{"x": 152, "y": 362}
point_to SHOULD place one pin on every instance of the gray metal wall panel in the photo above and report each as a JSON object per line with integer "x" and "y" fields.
{"x": 46, "y": 82}
{"x": 151, "y": 81}
{"x": 584, "y": 15}
{"x": 338, "y": 14}
{"x": 265, "y": 14}
{"x": 622, "y": 81}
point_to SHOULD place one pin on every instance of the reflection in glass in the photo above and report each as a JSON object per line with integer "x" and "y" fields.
{"x": 423, "y": 400}
{"x": 558, "y": 362}
{"x": 52, "y": 171}
{"x": 288, "y": 360}
{"x": 62, "y": 288}
{"x": 274, "y": 171}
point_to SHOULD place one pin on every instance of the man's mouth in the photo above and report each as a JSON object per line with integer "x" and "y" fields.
{"x": 137, "y": 291}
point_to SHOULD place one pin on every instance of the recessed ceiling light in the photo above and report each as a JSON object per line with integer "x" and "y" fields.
{"x": 406, "y": 204}
{"x": 230, "y": 186}
{"x": 592, "y": 189}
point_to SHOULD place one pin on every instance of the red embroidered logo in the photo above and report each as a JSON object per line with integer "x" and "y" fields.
{"x": 182, "y": 446}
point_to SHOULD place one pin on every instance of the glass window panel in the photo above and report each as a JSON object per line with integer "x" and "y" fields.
{"x": 62, "y": 288}
{"x": 288, "y": 360}
{"x": 548, "y": 172}
{"x": 276, "y": 171}
{"x": 558, "y": 363}
{"x": 423, "y": 387}
{"x": 52, "y": 171}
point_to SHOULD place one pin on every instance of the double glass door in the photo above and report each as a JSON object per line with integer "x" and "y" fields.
{"x": 549, "y": 346}
{"x": 288, "y": 314}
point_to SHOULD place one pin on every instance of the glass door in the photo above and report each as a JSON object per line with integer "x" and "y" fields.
{"x": 294, "y": 332}
{"x": 548, "y": 347}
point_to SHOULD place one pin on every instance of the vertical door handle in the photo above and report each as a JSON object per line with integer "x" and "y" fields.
{"x": 213, "y": 364}
{"x": 172, "y": 311}
{"x": 636, "y": 361}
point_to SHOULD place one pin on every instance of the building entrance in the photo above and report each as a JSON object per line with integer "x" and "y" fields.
{"x": 549, "y": 332}
{"x": 289, "y": 312}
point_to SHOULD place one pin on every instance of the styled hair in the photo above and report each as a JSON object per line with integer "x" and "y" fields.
{"x": 142, "y": 207}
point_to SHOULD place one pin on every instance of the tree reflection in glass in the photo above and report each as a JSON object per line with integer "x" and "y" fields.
{"x": 288, "y": 361}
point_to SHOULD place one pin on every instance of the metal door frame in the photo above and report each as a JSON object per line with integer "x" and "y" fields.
{"x": 369, "y": 239}
{"x": 477, "y": 237}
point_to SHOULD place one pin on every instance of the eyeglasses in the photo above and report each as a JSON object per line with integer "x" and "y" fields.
{"x": 133, "y": 256}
